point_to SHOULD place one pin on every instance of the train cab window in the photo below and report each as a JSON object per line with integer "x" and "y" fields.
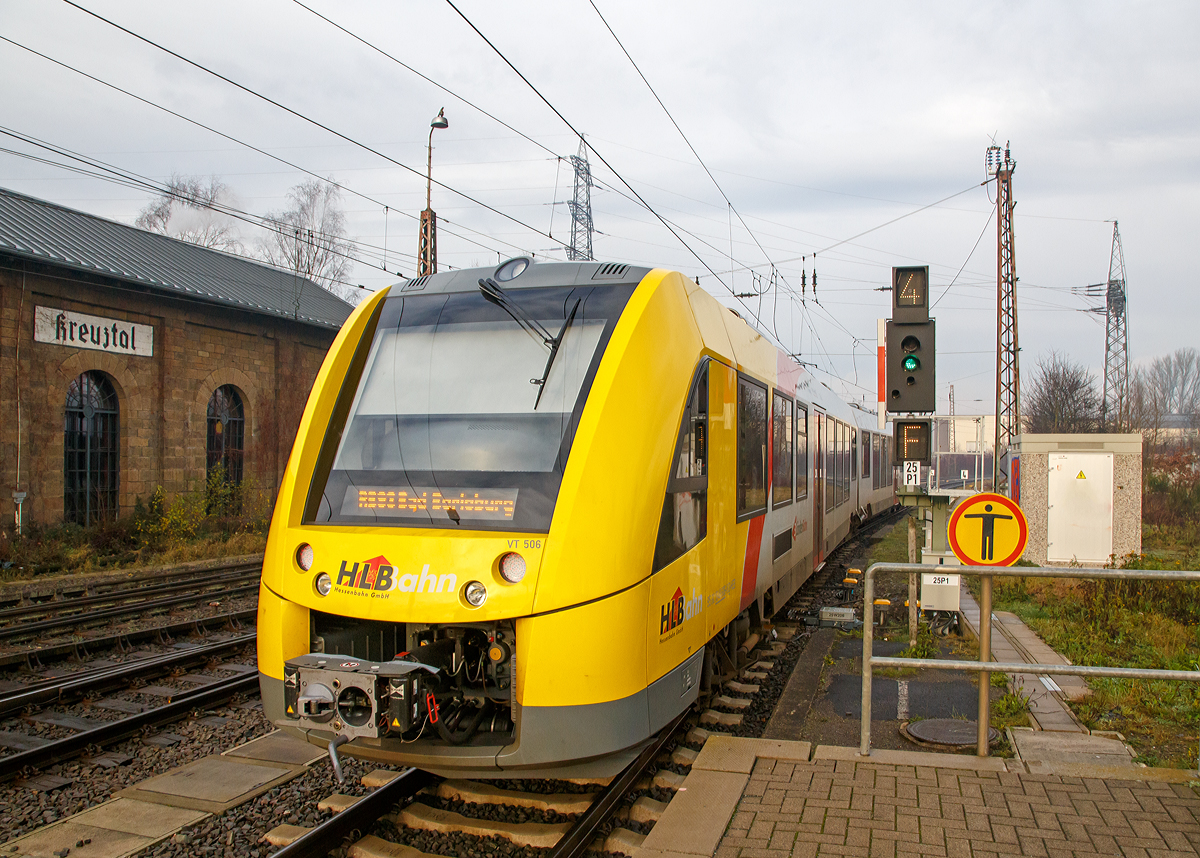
{"x": 752, "y": 449}
{"x": 684, "y": 520}
{"x": 454, "y": 415}
{"x": 801, "y": 452}
{"x": 782, "y": 460}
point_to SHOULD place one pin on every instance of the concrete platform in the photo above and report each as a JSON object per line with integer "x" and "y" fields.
{"x": 279, "y": 747}
{"x": 757, "y": 798}
{"x": 212, "y": 784}
{"x": 116, "y": 828}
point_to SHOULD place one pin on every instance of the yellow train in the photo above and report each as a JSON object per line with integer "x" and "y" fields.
{"x": 524, "y": 505}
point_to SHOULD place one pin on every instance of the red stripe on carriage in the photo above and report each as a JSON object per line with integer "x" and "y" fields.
{"x": 750, "y": 569}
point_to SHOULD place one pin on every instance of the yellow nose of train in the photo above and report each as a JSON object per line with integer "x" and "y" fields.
{"x": 523, "y": 506}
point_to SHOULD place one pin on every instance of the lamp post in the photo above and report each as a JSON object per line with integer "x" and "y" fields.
{"x": 427, "y": 242}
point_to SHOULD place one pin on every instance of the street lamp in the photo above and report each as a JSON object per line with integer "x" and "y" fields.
{"x": 427, "y": 243}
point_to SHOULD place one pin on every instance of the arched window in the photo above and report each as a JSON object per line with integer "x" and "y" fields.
{"x": 91, "y": 450}
{"x": 226, "y": 430}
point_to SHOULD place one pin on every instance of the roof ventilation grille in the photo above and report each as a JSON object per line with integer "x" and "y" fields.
{"x": 416, "y": 284}
{"x": 611, "y": 271}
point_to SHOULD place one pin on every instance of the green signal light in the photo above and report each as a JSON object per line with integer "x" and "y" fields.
{"x": 911, "y": 363}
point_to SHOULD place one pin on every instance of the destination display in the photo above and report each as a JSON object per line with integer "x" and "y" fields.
{"x": 421, "y": 502}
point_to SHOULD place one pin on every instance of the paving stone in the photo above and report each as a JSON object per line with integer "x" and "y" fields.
{"x": 917, "y": 803}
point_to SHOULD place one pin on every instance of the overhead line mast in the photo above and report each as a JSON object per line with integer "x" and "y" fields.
{"x": 1114, "y": 410}
{"x": 1008, "y": 371}
{"x": 581, "y": 207}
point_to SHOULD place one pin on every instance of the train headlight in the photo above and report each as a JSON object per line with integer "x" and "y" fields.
{"x": 512, "y": 567}
{"x": 323, "y": 584}
{"x": 304, "y": 556}
{"x": 475, "y": 593}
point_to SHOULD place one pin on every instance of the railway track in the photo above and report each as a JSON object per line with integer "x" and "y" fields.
{"x": 19, "y": 594}
{"x": 50, "y": 752}
{"x": 76, "y": 620}
{"x": 89, "y": 682}
{"x": 135, "y": 592}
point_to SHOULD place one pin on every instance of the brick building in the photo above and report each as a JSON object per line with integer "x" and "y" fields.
{"x": 129, "y": 360}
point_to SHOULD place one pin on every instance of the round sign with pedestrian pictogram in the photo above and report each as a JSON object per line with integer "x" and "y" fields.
{"x": 987, "y": 529}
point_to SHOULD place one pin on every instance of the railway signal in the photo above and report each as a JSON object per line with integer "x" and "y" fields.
{"x": 913, "y": 441}
{"x": 911, "y": 379}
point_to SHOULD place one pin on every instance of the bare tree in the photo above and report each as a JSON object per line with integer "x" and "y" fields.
{"x": 189, "y": 209}
{"x": 1060, "y": 397}
{"x": 1166, "y": 395}
{"x": 310, "y": 237}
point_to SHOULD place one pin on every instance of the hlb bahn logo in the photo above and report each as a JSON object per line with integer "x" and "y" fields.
{"x": 676, "y": 612}
{"x": 378, "y": 578}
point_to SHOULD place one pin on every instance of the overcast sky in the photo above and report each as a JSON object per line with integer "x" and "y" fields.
{"x": 819, "y": 122}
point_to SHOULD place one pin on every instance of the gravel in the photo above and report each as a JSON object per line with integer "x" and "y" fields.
{"x": 23, "y": 809}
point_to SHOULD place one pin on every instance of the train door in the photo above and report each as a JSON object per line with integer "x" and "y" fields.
{"x": 818, "y": 488}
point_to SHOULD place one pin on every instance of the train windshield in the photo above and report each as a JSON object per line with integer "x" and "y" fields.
{"x": 465, "y": 409}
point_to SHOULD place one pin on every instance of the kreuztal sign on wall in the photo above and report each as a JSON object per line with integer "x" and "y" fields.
{"x": 79, "y": 330}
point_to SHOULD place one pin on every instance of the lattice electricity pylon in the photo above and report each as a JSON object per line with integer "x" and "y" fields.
{"x": 581, "y": 207}
{"x": 1008, "y": 371}
{"x": 1114, "y": 411}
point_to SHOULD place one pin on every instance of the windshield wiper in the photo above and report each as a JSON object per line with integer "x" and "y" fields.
{"x": 541, "y": 382}
{"x": 492, "y": 291}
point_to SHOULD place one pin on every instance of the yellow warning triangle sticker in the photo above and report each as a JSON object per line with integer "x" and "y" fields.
{"x": 1081, "y": 476}
{"x": 290, "y": 711}
{"x": 395, "y": 722}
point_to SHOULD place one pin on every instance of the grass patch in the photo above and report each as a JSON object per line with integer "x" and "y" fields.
{"x": 218, "y": 520}
{"x": 1141, "y": 624}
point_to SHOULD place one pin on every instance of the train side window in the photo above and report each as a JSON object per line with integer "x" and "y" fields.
{"x": 866, "y": 454}
{"x": 782, "y": 458}
{"x": 752, "y": 449}
{"x": 853, "y": 450}
{"x": 830, "y": 464}
{"x": 801, "y": 452}
{"x": 684, "y": 520}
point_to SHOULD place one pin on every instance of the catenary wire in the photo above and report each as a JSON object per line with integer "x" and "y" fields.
{"x": 303, "y": 117}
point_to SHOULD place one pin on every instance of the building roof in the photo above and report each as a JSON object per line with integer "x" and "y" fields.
{"x": 55, "y": 235}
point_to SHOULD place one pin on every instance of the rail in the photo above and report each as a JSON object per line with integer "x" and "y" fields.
{"x": 984, "y": 666}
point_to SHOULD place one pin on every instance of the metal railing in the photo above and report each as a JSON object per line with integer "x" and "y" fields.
{"x": 984, "y": 665}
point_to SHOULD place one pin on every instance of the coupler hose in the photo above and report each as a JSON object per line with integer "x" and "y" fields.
{"x": 461, "y": 737}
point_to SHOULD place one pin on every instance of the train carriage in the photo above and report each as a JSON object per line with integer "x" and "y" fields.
{"x": 526, "y": 503}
